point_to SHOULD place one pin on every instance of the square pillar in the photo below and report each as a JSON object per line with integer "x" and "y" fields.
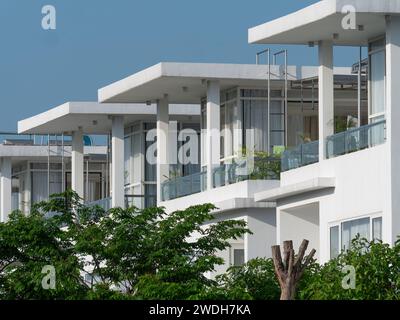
{"x": 27, "y": 189}
{"x": 391, "y": 220}
{"x": 213, "y": 141}
{"x": 325, "y": 95}
{"x": 117, "y": 162}
{"x": 5, "y": 189}
{"x": 162, "y": 144}
{"x": 77, "y": 183}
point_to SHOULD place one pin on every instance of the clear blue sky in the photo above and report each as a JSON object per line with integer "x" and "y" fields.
{"x": 100, "y": 41}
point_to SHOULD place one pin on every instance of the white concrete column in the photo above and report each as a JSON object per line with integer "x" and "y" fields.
{"x": 325, "y": 95}
{"x": 162, "y": 144}
{"x": 5, "y": 188}
{"x": 391, "y": 218}
{"x": 117, "y": 162}
{"x": 213, "y": 130}
{"x": 28, "y": 189}
{"x": 77, "y": 155}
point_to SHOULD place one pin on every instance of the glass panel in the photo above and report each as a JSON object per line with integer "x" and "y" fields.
{"x": 356, "y": 139}
{"x": 93, "y": 190}
{"x": 222, "y": 126}
{"x": 334, "y": 245}
{"x": 150, "y": 199}
{"x": 238, "y": 257}
{"x": 351, "y": 229}
{"x": 377, "y": 79}
{"x": 377, "y": 228}
{"x": 300, "y": 156}
{"x": 255, "y": 117}
{"x": 127, "y": 158}
{"x": 150, "y": 170}
{"x": 136, "y": 149}
{"x": 39, "y": 186}
{"x": 14, "y": 201}
{"x": 376, "y": 45}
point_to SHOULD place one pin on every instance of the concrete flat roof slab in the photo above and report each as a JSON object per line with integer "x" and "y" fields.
{"x": 184, "y": 82}
{"x": 94, "y": 117}
{"x": 323, "y": 19}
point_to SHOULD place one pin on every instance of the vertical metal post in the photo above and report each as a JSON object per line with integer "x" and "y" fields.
{"x": 62, "y": 164}
{"x": 48, "y": 165}
{"x": 359, "y": 88}
{"x": 269, "y": 103}
{"x": 87, "y": 181}
{"x": 268, "y": 52}
{"x": 286, "y": 98}
{"x": 285, "y": 53}
{"x": 107, "y": 178}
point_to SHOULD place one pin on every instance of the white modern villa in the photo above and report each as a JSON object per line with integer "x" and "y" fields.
{"x": 35, "y": 166}
{"x": 298, "y": 152}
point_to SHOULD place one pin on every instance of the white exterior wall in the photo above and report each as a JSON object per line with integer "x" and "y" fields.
{"x": 361, "y": 180}
{"x": 262, "y": 222}
{"x": 243, "y": 189}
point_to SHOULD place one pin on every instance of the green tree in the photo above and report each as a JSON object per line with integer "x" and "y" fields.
{"x": 29, "y": 243}
{"x": 377, "y": 274}
{"x": 255, "y": 280}
{"x": 128, "y": 254}
{"x": 155, "y": 254}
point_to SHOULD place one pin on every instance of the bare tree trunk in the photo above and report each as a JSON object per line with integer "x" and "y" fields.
{"x": 290, "y": 270}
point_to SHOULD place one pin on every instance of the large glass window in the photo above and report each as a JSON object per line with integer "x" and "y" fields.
{"x": 351, "y": 229}
{"x": 342, "y": 234}
{"x": 40, "y": 185}
{"x": 334, "y": 235}
{"x": 377, "y": 228}
{"x": 255, "y": 117}
{"x": 238, "y": 257}
{"x": 377, "y": 76}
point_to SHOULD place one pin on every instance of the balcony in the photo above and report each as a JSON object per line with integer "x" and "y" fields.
{"x": 15, "y": 139}
{"x": 261, "y": 169}
{"x": 302, "y": 155}
{"x": 184, "y": 186}
{"x": 356, "y": 139}
{"x": 104, "y": 203}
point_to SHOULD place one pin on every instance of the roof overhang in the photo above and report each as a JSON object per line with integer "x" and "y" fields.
{"x": 96, "y": 118}
{"x": 316, "y": 184}
{"x": 323, "y": 21}
{"x": 185, "y": 82}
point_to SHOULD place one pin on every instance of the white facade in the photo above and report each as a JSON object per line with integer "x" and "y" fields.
{"x": 329, "y": 190}
{"x": 32, "y": 169}
{"x": 353, "y": 187}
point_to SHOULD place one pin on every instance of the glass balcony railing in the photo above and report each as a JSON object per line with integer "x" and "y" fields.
{"x": 103, "y": 203}
{"x": 300, "y": 156}
{"x": 184, "y": 186}
{"x": 356, "y": 139}
{"x": 242, "y": 170}
{"x": 8, "y": 138}
{"x": 140, "y": 201}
